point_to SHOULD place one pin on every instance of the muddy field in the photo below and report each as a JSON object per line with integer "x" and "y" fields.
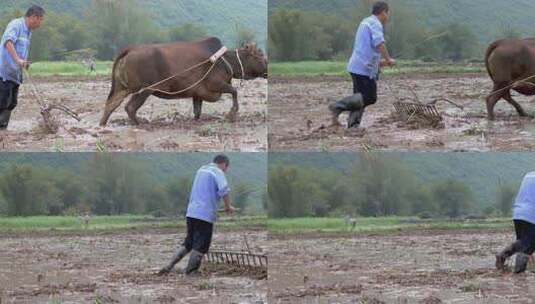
{"x": 420, "y": 267}
{"x": 299, "y": 118}
{"x": 168, "y": 124}
{"x": 119, "y": 268}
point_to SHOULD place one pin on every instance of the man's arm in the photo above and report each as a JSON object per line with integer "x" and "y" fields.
{"x": 13, "y": 53}
{"x": 378, "y": 41}
{"x": 384, "y": 52}
{"x": 228, "y": 207}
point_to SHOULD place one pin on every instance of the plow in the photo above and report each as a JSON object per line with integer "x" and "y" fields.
{"x": 50, "y": 122}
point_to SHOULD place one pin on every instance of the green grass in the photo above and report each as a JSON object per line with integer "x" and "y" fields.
{"x": 107, "y": 223}
{"x": 379, "y": 225}
{"x": 67, "y": 68}
{"x": 339, "y": 68}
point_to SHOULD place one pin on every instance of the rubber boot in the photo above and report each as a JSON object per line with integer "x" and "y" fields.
{"x": 179, "y": 255}
{"x": 354, "y": 119}
{"x": 352, "y": 103}
{"x": 508, "y": 252}
{"x": 194, "y": 262}
{"x": 521, "y": 263}
{"x": 4, "y": 119}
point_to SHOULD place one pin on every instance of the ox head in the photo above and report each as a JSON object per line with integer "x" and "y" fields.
{"x": 254, "y": 61}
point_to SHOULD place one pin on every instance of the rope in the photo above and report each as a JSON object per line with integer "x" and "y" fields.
{"x": 228, "y": 65}
{"x": 514, "y": 84}
{"x": 183, "y": 90}
{"x": 151, "y": 87}
{"x": 241, "y": 66}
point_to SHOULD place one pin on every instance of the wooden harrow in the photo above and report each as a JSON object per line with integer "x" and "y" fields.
{"x": 412, "y": 110}
{"x": 238, "y": 259}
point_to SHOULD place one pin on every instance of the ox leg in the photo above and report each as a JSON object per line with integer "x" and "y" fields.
{"x": 515, "y": 104}
{"x": 111, "y": 105}
{"x": 134, "y": 104}
{"x": 227, "y": 88}
{"x": 197, "y": 107}
{"x": 493, "y": 98}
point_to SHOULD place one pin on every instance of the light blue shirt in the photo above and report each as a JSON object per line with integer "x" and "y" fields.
{"x": 524, "y": 207}
{"x": 209, "y": 187}
{"x": 366, "y": 57}
{"x": 17, "y": 32}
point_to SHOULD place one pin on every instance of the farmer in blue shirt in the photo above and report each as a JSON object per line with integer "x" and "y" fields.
{"x": 524, "y": 221}
{"x": 209, "y": 187}
{"x": 14, "y": 58}
{"x": 369, "y": 54}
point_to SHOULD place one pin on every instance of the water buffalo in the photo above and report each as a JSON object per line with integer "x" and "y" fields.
{"x": 511, "y": 65}
{"x": 139, "y": 67}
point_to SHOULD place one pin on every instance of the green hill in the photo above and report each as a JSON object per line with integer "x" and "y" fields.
{"x": 480, "y": 171}
{"x": 219, "y": 17}
{"x": 245, "y": 167}
{"x": 486, "y": 18}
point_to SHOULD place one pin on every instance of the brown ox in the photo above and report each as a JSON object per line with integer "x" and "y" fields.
{"x": 138, "y": 68}
{"x": 511, "y": 65}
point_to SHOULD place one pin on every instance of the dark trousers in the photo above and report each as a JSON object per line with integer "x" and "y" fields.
{"x": 199, "y": 235}
{"x": 525, "y": 233}
{"x": 366, "y": 87}
{"x": 9, "y": 92}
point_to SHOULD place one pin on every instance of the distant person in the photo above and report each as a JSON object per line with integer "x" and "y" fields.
{"x": 524, "y": 221}
{"x": 92, "y": 66}
{"x": 14, "y": 58}
{"x": 369, "y": 54}
{"x": 209, "y": 187}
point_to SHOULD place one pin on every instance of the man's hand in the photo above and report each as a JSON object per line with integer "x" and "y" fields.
{"x": 230, "y": 210}
{"x": 388, "y": 62}
{"x": 23, "y": 64}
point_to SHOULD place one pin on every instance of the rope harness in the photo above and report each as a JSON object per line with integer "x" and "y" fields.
{"x": 521, "y": 81}
{"x": 214, "y": 60}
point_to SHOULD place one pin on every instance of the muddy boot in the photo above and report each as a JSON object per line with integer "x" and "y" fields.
{"x": 179, "y": 255}
{"x": 351, "y": 103}
{"x": 508, "y": 252}
{"x": 521, "y": 263}
{"x": 4, "y": 119}
{"x": 194, "y": 262}
{"x": 354, "y": 119}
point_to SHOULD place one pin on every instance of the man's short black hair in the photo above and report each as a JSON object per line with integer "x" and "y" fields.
{"x": 379, "y": 7}
{"x": 221, "y": 159}
{"x": 35, "y": 10}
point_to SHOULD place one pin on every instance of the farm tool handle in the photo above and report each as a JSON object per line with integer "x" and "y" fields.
{"x": 44, "y": 107}
{"x": 223, "y": 210}
{"x": 429, "y": 38}
{"x": 214, "y": 59}
{"x": 35, "y": 92}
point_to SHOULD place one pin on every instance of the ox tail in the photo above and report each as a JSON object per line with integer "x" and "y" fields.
{"x": 121, "y": 55}
{"x": 489, "y": 52}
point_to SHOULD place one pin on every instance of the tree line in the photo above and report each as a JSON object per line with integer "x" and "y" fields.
{"x": 300, "y": 35}
{"x": 375, "y": 186}
{"x": 104, "y": 185}
{"x": 106, "y": 28}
